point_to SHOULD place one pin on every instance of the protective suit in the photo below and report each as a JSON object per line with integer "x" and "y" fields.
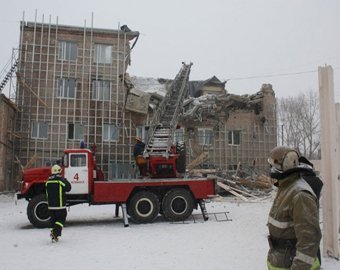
{"x": 56, "y": 186}
{"x": 293, "y": 223}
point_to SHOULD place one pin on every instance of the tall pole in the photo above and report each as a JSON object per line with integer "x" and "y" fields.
{"x": 329, "y": 163}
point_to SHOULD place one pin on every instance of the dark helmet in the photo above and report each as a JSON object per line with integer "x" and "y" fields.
{"x": 283, "y": 158}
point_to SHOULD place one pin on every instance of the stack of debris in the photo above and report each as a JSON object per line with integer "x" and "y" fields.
{"x": 254, "y": 188}
{"x": 246, "y": 183}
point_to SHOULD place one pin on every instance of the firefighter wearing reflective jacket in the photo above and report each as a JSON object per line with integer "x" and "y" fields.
{"x": 293, "y": 223}
{"x": 56, "y": 186}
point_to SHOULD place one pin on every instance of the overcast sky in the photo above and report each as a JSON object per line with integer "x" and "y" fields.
{"x": 247, "y": 42}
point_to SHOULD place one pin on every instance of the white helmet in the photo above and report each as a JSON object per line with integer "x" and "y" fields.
{"x": 283, "y": 158}
{"x": 56, "y": 169}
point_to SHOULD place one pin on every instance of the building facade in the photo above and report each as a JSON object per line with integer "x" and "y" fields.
{"x": 71, "y": 90}
{"x": 234, "y": 131}
{"x": 8, "y": 165}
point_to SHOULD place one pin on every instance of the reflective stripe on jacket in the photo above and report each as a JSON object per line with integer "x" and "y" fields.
{"x": 294, "y": 215}
{"x": 56, "y": 186}
{"x": 315, "y": 266}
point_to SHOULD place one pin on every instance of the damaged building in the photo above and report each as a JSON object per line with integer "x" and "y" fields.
{"x": 73, "y": 88}
{"x": 222, "y": 131}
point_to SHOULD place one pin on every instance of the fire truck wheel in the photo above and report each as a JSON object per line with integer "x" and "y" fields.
{"x": 37, "y": 211}
{"x": 143, "y": 207}
{"x": 177, "y": 204}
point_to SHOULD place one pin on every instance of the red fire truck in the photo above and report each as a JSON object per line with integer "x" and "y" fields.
{"x": 141, "y": 200}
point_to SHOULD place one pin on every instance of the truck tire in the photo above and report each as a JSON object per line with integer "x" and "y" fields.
{"x": 37, "y": 211}
{"x": 181, "y": 160}
{"x": 177, "y": 204}
{"x": 143, "y": 207}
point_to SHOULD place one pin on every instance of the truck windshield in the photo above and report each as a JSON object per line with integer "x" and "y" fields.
{"x": 78, "y": 160}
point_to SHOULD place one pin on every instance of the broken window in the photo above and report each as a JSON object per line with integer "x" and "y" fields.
{"x": 205, "y": 136}
{"x": 101, "y": 90}
{"x": 75, "y": 131}
{"x": 234, "y": 137}
{"x": 67, "y": 50}
{"x": 102, "y": 54}
{"x": 39, "y": 130}
{"x": 110, "y": 132}
{"x": 66, "y": 88}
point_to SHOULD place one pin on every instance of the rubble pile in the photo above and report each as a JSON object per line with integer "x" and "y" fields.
{"x": 244, "y": 183}
{"x": 249, "y": 188}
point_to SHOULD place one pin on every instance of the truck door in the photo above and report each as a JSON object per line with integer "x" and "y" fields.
{"x": 77, "y": 173}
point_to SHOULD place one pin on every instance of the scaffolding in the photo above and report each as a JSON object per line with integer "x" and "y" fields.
{"x": 71, "y": 89}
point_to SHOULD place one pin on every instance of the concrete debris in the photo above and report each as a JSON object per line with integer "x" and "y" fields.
{"x": 144, "y": 93}
{"x": 212, "y": 106}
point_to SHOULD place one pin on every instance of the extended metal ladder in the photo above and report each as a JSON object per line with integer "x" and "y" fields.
{"x": 164, "y": 122}
{"x": 9, "y": 75}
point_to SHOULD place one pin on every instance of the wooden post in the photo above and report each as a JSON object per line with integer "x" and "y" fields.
{"x": 329, "y": 163}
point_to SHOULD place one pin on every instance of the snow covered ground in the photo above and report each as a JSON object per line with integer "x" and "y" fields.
{"x": 93, "y": 239}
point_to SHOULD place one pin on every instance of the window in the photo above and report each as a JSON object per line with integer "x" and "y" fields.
{"x": 103, "y": 54}
{"x": 78, "y": 160}
{"x": 234, "y": 137}
{"x": 110, "y": 132}
{"x": 39, "y": 130}
{"x": 101, "y": 90}
{"x": 67, "y": 50}
{"x": 65, "y": 160}
{"x": 205, "y": 136}
{"x": 66, "y": 88}
{"x": 179, "y": 135}
{"x": 141, "y": 132}
{"x": 75, "y": 131}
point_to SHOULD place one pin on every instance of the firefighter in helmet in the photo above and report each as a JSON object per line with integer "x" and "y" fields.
{"x": 293, "y": 223}
{"x": 56, "y": 186}
{"x": 138, "y": 154}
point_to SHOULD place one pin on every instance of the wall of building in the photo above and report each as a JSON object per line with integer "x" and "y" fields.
{"x": 257, "y": 129}
{"x": 7, "y": 165}
{"x": 42, "y": 66}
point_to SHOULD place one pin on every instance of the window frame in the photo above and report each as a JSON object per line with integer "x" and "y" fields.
{"x": 77, "y": 126}
{"x": 100, "y": 53}
{"x": 141, "y": 132}
{"x": 67, "y": 50}
{"x": 39, "y": 130}
{"x": 78, "y": 157}
{"x": 231, "y": 135}
{"x": 66, "y": 88}
{"x": 107, "y": 133}
{"x": 204, "y": 139}
{"x": 100, "y": 88}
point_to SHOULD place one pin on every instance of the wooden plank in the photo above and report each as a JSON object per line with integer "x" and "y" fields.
{"x": 227, "y": 188}
{"x": 197, "y": 160}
